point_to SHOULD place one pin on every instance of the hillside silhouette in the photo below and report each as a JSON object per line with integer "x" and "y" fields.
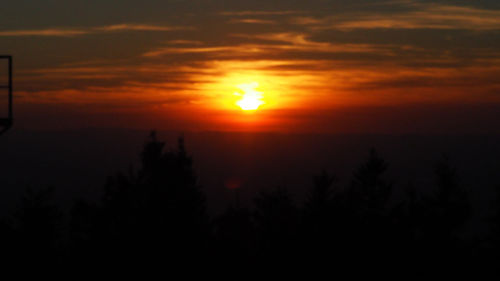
{"x": 156, "y": 217}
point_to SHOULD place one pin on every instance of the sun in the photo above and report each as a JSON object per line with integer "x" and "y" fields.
{"x": 251, "y": 99}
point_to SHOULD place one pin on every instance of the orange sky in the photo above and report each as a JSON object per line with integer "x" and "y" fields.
{"x": 330, "y": 66}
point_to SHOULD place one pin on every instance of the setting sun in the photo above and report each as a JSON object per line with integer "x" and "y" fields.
{"x": 251, "y": 99}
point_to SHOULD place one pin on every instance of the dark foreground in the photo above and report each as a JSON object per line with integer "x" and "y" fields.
{"x": 155, "y": 217}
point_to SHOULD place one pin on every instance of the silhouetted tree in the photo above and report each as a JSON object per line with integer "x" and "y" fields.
{"x": 235, "y": 238}
{"x": 158, "y": 210}
{"x": 38, "y": 223}
{"x": 450, "y": 202}
{"x": 9, "y": 254}
{"x": 320, "y": 226}
{"x": 85, "y": 233}
{"x": 320, "y": 197}
{"x": 444, "y": 214}
{"x": 368, "y": 218}
{"x": 495, "y": 218}
{"x": 156, "y": 216}
{"x": 371, "y": 191}
{"x": 276, "y": 219}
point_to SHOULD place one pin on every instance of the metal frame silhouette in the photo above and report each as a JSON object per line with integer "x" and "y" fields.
{"x": 6, "y": 123}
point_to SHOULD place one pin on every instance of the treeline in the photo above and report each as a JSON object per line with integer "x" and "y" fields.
{"x": 156, "y": 217}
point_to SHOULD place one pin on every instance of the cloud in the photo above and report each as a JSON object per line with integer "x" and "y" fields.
{"x": 417, "y": 16}
{"x": 252, "y": 21}
{"x": 138, "y": 27}
{"x": 258, "y": 13}
{"x": 71, "y": 32}
{"x": 301, "y": 55}
{"x": 192, "y": 50}
{"x": 272, "y": 43}
{"x": 307, "y": 21}
{"x": 53, "y": 32}
{"x": 184, "y": 42}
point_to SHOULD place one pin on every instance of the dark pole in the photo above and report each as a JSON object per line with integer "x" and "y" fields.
{"x": 10, "y": 90}
{"x": 6, "y": 123}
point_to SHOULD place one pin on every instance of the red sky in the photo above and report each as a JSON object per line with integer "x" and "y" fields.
{"x": 322, "y": 66}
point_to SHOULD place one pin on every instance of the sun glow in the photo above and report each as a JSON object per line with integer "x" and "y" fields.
{"x": 251, "y": 99}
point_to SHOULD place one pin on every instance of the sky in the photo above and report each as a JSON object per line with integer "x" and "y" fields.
{"x": 322, "y": 66}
